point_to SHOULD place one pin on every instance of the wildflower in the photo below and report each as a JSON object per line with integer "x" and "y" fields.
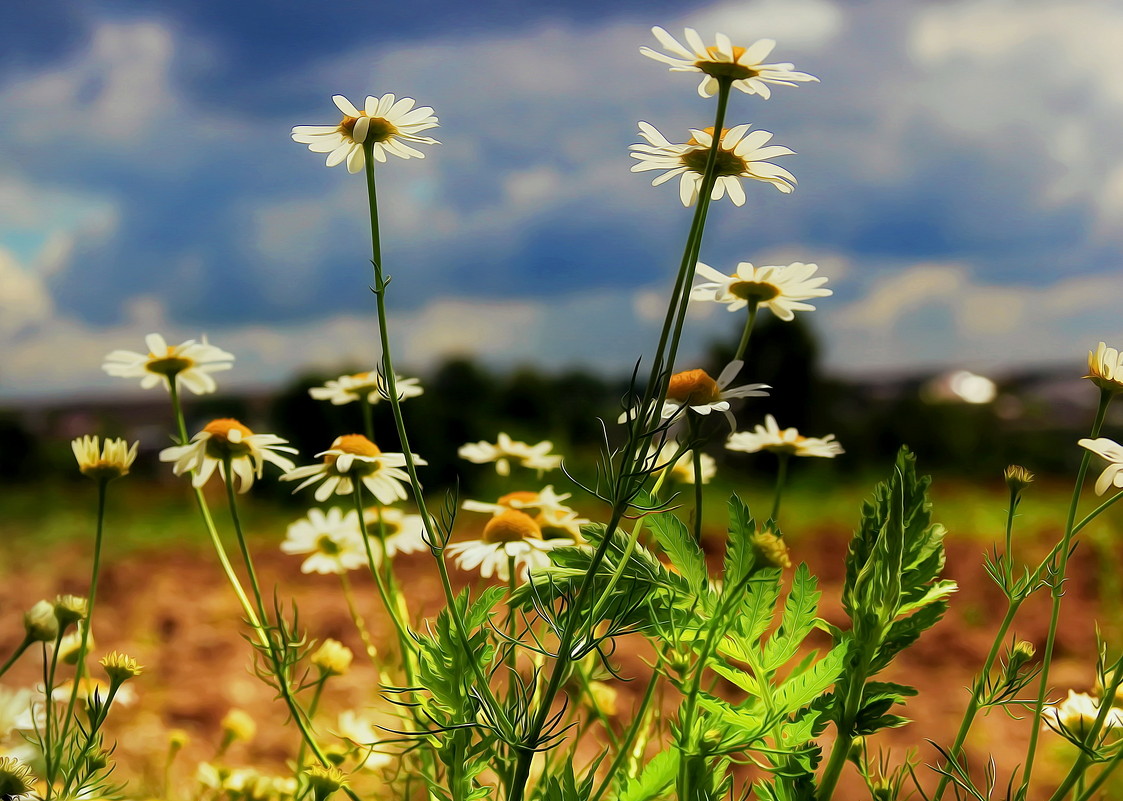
{"x": 1112, "y": 451}
{"x": 401, "y": 532}
{"x": 697, "y": 391}
{"x": 227, "y": 439}
{"x": 604, "y": 697}
{"x": 333, "y": 658}
{"x": 782, "y": 290}
{"x": 370, "y": 385}
{"x": 509, "y": 537}
{"x": 352, "y": 457}
{"x": 16, "y": 779}
{"x": 770, "y": 549}
{"x": 324, "y": 781}
{"x": 238, "y": 725}
{"x": 360, "y": 734}
{"x": 1105, "y": 368}
{"x": 1017, "y": 478}
{"x": 1077, "y": 714}
{"x": 739, "y": 156}
{"x": 788, "y": 441}
{"x": 387, "y": 122}
{"x": 745, "y": 65}
{"x": 103, "y": 462}
{"x": 18, "y": 711}
{"x": 505, "y": 450}
{"x": 334, "y": 541}
{"x": 40, "y": 622}
{"x": 177, "y": 738}
{"x": 683, "y": 468}
{"x": 120, "y": 668}
{"x": 190, "y": 364}
{"x": 554, "y": 519}
{"x": 70, "y": 609}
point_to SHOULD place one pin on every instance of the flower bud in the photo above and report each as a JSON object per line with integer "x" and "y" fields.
{"x": 120, "y": 668}
{"x": 1017, "y": 478}
{"x": 324, "y": 781}
{"x": 333, "y": 658}
{"x": 41, "y": 623}
{"x": 70, "y": 609}
{"x": 238, "y": 725}
{"x": 770, "y": 549}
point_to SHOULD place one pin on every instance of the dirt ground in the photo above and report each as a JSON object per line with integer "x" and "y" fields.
{"x": 173, "y": 611}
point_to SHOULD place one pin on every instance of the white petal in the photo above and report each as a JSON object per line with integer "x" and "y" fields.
{"x": 345, "y": 105}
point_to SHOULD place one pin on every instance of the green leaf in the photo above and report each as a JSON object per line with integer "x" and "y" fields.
{"x": 905, "y": 632}
{"x": 684, "y": 553}
{"x": 739, "y": 556}
{"x": 797, "y": 622}
{"x": 654, "y": 779}
{"x": 800, "y": 691}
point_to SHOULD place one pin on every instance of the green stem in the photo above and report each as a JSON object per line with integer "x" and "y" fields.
{"x": 357, "y": 618}
{"x": 1058, "y": 592}
{"x": 973, "y": 704}
{"x": 16, "y": 654}
{"x": 781, "y": 480}
{"x": 315, "y": 702}
{"x": 1092, "y": 515}
{"x": 840, "y": 751}
{"x": 1101, "y": 779}
{"x": 1083, "y": 760}
{"x": 629, "y": 738}
{"x": 743, "y": 345}
{"x": 368, "y": 417}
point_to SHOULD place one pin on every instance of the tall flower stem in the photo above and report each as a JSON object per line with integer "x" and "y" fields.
{"x": 368, "y": 417}
{"x": 743, "y": 345}
{"x": 1058, "y": 591}
{"x": 357, "y": 618}
{"x": 16, "y": 654}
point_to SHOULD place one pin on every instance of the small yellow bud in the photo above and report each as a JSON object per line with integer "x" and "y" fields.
{"x": 333, "y": 658}
{"x": 238, "y": 725}
{"x": 103, "y": 462}
{"x": 120, "y": 668}
{"x": 41, "y": 623}
{"x": 1017, "y": 478}
{"x": 177, "y": 738}
{"x": 69, "y": 609}
{"x": 603, "y": 697}
{"x": 770, "y": 549}
{"x": 324, "y": 781}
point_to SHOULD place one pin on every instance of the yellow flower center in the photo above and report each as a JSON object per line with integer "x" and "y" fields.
{"x": 728, "y": 162}
{"x": 759, "y": 291}
{"x": 693, "y": 388}
{"x": 356, "y": 444}
{"x": 726, "y": 69}
{"x": 380, "y": 128}
{"x": 377, "y": 524}
{"x": 168, "y": 364}
{"x": 511, "y": 526}
{"x": 227, "y": 438}
{"x": 550, "y": 525}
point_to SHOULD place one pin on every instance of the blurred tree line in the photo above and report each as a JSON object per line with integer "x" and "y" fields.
{"x": 465, "y": 402}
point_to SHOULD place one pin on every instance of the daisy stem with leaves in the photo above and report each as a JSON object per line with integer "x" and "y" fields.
{"x": 1057, "y": 581}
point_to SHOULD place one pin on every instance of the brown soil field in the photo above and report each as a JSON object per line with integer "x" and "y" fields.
{"x": 173, "y": 611}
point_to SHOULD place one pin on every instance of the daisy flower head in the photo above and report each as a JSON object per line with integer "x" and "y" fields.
{"x": 227, "y": 439}
{"x": 740, "y": 155}
{"x": 1105, "y": 368}
{"x": 402, "y": 533}
{"x": 511, "y": 537}
{"x": 1077, "y": 714}
{"x": 696, "y": 391}
{"x": 788, "y": 441}
{"x": 370, "y": 385}
{"x": 546, "y": 507}
{"x": 683, "y": 468}
{"x": 189, "y": 364}
{"x": 506, "y": 450}
{"x": 387, "y": 123}
{"x": 743, "y": 65}
{"x": 332, "y": 540}
{"x": 782, "y": 290}
{"x": 1112, "y": 452}
{"x": 352, "y": 458}
{"x": 103, "y": 461}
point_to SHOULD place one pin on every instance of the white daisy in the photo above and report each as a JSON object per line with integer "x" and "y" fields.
{"x": 227, "y": 438}
{"x": 1112, "y": 451}
{"x": 387, "y": 122}
{"x": 370, "y": 385}
{"x": 90, "y": 689}
{"x": 189, "y": 363}
{"x": 511, "y": 536}
{"x": 333, "y": 540}
{"x": 739, "y": 156}
{"x": 555, "y": 519}
{"x": 782, "y": 290}
{"x": 745, "y": 65}
{"x": 505, "y": 450}
{"x": 683, "y": 468}
{"x": 18, "y": 711}
{"x": 1077, "y": 714}
{"x": 697, "y": 392}
{"x": 354, "y": 457}
{"x": 405, "y": 533}
{"x": 1105, "y": 368}
{"x": 770, "y": 437}
{"x": 361, "y": 734}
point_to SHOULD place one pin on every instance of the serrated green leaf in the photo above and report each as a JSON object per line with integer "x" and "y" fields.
{"x": 800, "y": 691}
{"x": 654, "y": 779}
{"x": 797, "y": 622}
{"x": 905, "y": 632}
{"x": 679, "y": 545}
{"x": 739, "y": 556}
{"x": 932, "y": 593}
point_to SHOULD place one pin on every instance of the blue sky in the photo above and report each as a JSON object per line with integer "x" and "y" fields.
{"x": 960, "y": 182}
